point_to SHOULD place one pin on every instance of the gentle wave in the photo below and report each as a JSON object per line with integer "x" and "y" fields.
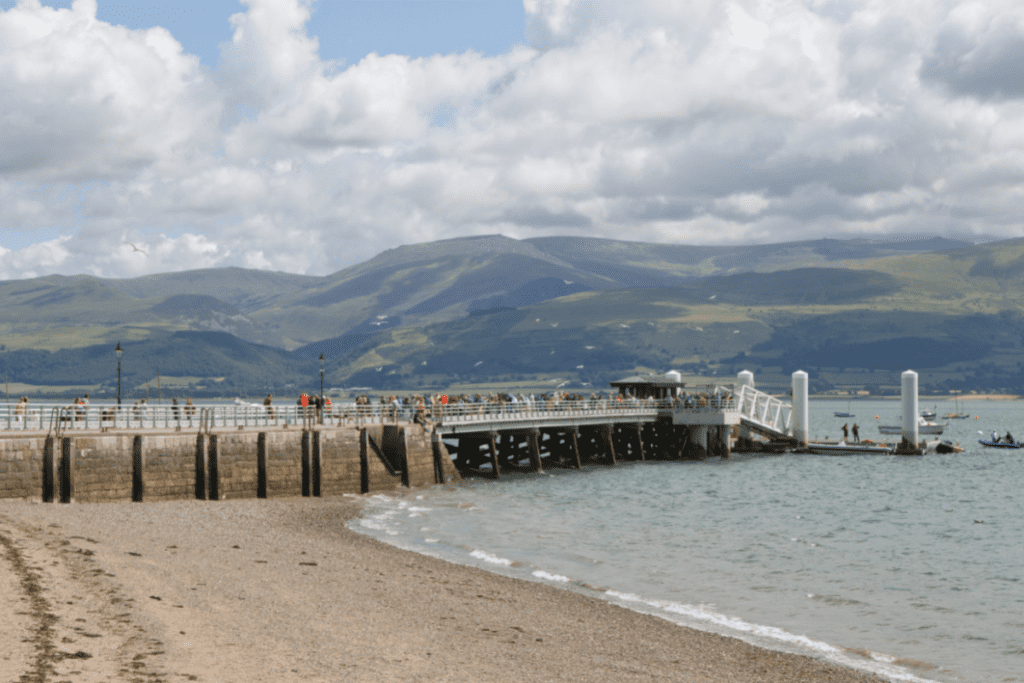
{"x": 881, "y": 663}
{"x": 493, "y": 559}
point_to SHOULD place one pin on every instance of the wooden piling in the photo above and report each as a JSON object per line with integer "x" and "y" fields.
{"x": 492, "y": 443}
{"x": 606, "y": 435}
{"x": 533, "y": 443}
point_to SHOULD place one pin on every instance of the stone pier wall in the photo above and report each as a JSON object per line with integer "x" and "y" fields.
{"x": 169, "y": 466}
{"x": 225, "y": 464}
{"x": 21, "y": 467}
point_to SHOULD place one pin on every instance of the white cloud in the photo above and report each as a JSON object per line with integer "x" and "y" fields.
{"x": 674, "y": 121}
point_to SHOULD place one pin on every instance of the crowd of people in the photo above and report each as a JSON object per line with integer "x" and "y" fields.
{"x": 424, "y": 407}
{"x": 419, "y": 408}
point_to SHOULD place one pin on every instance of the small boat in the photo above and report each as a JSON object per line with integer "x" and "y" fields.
{"x": 998, "y": 444}
{"x": 923, "y": 427}
{"x": 840, "y": 413}
{"x": 843, "y": 448}
{"x": 928, "y": 414}
{"x": 957, "y": 415}
{"x": 947, "y": 446}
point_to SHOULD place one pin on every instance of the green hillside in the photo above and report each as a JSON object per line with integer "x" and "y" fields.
{"x": 412, "y": 285}
{"x": 494, "y": 309}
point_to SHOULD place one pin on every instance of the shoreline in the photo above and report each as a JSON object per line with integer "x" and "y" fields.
{"x": 281, "y": 589}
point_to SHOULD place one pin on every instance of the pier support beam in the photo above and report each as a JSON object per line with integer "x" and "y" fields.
{"x": 606, "y": 434}
{"x": 724, "y": 434}
{"x": 699, "y": 442}
{"x": 640, "y": 440}
{"x": 801, "y": 411}
{"x": 575, "y": 448}
{"x": 492, "y": 444}
{"x": 533, "y": 443}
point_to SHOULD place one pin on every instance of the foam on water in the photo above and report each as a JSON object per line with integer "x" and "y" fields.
{"x": 492, "y": 559}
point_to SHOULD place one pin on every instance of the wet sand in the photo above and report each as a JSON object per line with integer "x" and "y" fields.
{"x": 280, "y": 590}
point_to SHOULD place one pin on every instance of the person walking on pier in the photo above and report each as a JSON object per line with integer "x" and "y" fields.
{"x": 846, "y": 432}
{"x": 856, "y": 433}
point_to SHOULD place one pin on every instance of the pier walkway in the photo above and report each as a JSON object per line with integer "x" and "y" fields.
{"x": 756, "y": 410}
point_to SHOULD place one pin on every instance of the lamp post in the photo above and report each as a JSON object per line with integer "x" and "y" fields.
{"x": 321, "y": 388}
{"x": 118, "y": 351}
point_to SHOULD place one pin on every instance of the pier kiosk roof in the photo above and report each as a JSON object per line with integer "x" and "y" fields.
{"x": 645, "y": 386}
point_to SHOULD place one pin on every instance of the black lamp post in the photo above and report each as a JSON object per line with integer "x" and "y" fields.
{"x": 118, "y": 351}
{"x": 321, "y": 388}
{"x": 321, "y": 377}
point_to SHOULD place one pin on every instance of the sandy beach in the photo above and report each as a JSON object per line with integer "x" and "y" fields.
{"x": 280, "y": 590}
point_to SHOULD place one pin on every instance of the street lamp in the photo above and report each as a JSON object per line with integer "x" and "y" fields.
{"x": 321, "y": 377}
{"x": 321, "y": 388}
{"x": 118, "y": 351}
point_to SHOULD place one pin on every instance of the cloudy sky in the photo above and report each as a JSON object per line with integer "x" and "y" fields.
{"x": 308, "y": 136}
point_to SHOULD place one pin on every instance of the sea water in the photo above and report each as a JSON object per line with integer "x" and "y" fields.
{"x": 910, "y": 567}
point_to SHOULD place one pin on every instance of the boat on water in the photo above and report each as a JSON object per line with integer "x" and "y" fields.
{"x": 957, "y": 415}
{"x": 843, "y": 448}
{"x": 998, "y": 444}
{"x": 947, "y": 446}
{"x": 928, "y": 414}
{"x": 923, "y": 427}
{"x": 840, "y": 413}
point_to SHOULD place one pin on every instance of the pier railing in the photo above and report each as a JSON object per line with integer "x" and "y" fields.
{"x": 68, "y": 418}
{"x": 765, "y": 411}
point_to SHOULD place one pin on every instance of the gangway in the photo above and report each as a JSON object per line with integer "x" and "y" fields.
{"x": 765, "y": 414}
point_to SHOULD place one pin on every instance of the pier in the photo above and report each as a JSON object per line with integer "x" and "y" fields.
{"x": 213, "y": 452}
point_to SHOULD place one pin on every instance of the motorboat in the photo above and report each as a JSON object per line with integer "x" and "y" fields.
{"x": 923, "y": 427}
{"x": 843, "y": 448}
{"x": 998, "y": 444}
{"x": 947, "y": 446}
{"x": 928, "y": 414}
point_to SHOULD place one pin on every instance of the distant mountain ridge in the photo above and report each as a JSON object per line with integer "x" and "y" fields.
{"x": 411, "y": 285}
{"x": 581, "y": 309}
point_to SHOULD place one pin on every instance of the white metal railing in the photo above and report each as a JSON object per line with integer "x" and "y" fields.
{"x": 765, "y": 410}
{"x": 71, "y": 417}
{"x": 612, "y": 407}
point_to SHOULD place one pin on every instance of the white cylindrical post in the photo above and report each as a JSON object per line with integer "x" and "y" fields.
{"x": 744, "y": 379}
{"x": 801, "y": 413}
{"x": 908, "y": 392}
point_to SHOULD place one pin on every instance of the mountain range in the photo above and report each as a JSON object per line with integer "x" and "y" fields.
{"x": 556, "y": 309}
